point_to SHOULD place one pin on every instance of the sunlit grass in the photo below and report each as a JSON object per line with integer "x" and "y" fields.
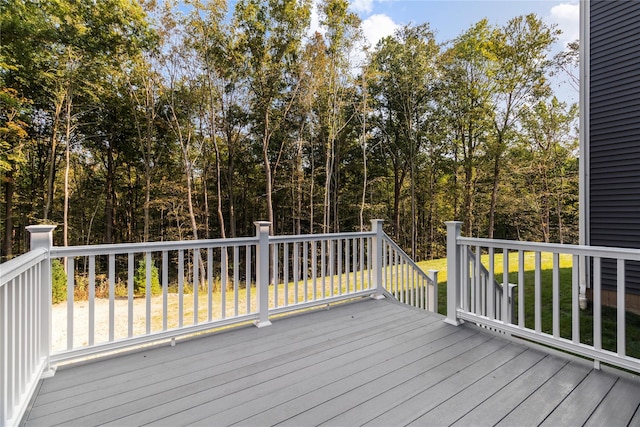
{"x": 196, "y": 306}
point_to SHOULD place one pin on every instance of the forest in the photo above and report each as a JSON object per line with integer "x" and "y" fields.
{"x": 135, "y": 120}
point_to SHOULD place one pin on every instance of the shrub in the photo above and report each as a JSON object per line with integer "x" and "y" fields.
{"x": 58, "y": 282}
{"x": 140, "y": 279}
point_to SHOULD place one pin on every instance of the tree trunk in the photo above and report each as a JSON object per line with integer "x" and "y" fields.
{"x": 147, "y": 200}
{"x": 189, "y": 180}
{"x": 223, "y": 233}
{"x": 328, "y": 167}
{"x": 53, "y": 148}
{"x": 7, "y": 247}
{"x": 299, "y": 180}
{"x": 397, "y": 188}
{"x": 414, "y": 215}
{"x": 205, "y": 199}
{"x": 67, "y": 168}
{"x": 311, "y": 190}
{"x": 267, "y": 176}
{"x": 109, "y": 201}
{"x": 559, "y": 202}
{"x": 232, "y": 198}
{"x": 468, "y": 188}
{"x": 494, "y": 194}
{"x": 364, "y": 176}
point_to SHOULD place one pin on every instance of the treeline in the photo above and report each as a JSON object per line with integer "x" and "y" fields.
{"x": 127, "y": 121}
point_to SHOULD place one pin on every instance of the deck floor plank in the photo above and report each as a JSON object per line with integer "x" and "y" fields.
{"x": 491, "y": 411}
{"x": 534, "y": 409}
{"x": 176, "y": 367}
{"x": 335, "y": 404}
{"x": 192, "y": 407}
{"x": 618, "y": 407}
{"x": 375, "y": 362}
{"x": 230, "y": 343}
{"x": 635, "y": 421}
{"x": 249, "y": 362}
{"x": 182, "y": 362}
{"x": 466, "y": 399}
{"x": 582, "y": 401}
{"x": 416, "y": 405}
{"x": 333, "y": 393}
{"x": 336, "y": 362}
{"x": 396, "y": 388}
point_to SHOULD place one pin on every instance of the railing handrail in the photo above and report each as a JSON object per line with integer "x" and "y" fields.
{"x": 318, "y": 237}
{"x": 123, "y": 248}
{"x": 14, "y": 267}
{"x": 600, "y": 251}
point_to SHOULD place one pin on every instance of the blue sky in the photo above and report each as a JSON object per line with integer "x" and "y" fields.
{"x": 450, "y": 18}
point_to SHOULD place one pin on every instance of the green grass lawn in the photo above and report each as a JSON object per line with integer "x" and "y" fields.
{"x": 609, "y": 322}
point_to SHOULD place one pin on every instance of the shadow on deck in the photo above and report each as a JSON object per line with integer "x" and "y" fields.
{"x": 368, "y": 362}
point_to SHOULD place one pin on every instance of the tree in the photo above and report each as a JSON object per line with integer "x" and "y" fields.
{"x": 406, "y": 71}
{"x": 518, "y": 71}
{"x": 13, "y": 138}
{"x": 549, "y": 144}
{"x": 24, "y": 27}
{"x": 465, "y": 95}
{"x": 341, "y": 35}
{"x": 270, "y": 36}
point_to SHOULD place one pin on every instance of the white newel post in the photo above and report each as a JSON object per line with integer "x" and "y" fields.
{"x": 453, "y": 272}
{"x": 42, "y": 237}
{"x": 262, "y": 272}
{"x": 433, "y": 275}
{"x": 376, "y": 261}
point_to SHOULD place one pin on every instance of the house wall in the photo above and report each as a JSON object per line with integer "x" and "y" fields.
{"x": 614, "y": 131}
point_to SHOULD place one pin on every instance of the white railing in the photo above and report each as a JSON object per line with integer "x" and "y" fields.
{"x": 201, "y": 284}
{"x": 406, "y": 281}
{"x": 25, "y": 299}
{"x": 322, "y": 267}
{"x": 486, "y": 292}
{"x": 547, "y": 301}
{"x": 121, "y": 296}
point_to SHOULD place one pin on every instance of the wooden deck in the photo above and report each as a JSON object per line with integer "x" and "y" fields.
{"x": 371, "y": 362}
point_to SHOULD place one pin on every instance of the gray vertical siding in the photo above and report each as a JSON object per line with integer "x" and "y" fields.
{"x": 614, "y": 130}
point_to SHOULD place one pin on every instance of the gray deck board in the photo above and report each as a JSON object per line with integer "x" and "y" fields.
{"x": 287, "y": 387}
{"x": 336, "y": 396}
{"x": 581, "y": 403}
{"x": 465, "y": 399}
{"x": 618, "y": 407}
{"x": 536, "y": 408}
{"x": 350, "y": 407}
{"x": 222, "y": 375}
{"x": 418, "y": 404}
{"x": 492, "y": 410}
{"x": 180, "y": 364}
{"x": 370, "y": 362}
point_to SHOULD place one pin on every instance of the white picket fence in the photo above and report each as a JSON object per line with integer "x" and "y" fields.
{"x": 201, "y": 285}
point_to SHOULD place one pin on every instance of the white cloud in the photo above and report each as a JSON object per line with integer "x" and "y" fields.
{"x": 361, "y": 6}
{"x": 567, "y": 17}
{"x": 376, "y": 27}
